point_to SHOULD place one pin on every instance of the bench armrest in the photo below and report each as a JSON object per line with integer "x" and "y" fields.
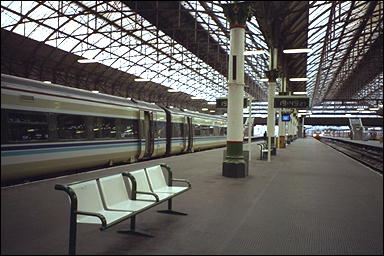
{"x": 98, "y": 215}
{"x": 183, "y": 180}
{"x": 149, "y": 193}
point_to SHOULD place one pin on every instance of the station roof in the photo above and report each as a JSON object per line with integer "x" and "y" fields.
{"x": 184, "y": 46}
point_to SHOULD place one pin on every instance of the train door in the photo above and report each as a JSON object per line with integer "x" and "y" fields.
{"x": 184, "y": 134}
{"x": 189, "y": 134}
{"x": 148, "y": 134}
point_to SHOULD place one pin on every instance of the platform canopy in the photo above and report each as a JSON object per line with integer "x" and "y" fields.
{"x": 184, "y": 46}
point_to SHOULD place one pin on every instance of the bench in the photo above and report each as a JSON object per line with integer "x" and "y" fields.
{"x": 106, "y": 200}
{"x": 264, "y": 150}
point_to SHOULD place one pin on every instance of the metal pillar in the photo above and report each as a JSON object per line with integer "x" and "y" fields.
{"x": 234, "y": 164}
{"x": 272, "y": 74}
{"x": 281, "y": 139}
{"x": 250, "y": 126}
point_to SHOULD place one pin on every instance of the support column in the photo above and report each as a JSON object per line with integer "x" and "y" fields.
{"x": 272, "y": 74}
{"x": 281, "y": 140}
{"x": 250, "y": 127}
{"x": 234, "y": 164}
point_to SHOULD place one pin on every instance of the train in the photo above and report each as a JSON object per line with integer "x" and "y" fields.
{"x": 50, "y": 129}
{"x": 317, "y": 134}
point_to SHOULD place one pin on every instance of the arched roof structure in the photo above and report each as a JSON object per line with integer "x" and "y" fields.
{"x": 184, "y": 46}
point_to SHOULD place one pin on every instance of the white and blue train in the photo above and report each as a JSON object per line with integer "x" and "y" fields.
{"x": 48, "y": 130}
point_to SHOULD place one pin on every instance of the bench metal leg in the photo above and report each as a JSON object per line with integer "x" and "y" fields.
{"x": 72, "y": 232}
{"x": 132, "y": 230}
{"x": 170, "y": 211}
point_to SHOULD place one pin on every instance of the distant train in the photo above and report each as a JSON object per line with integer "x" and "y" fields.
{"x": 317, "y": 134}
{"x": 49, "y": 129}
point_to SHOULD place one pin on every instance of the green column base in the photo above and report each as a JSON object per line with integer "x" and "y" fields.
{"x": 234, "y": 169}
{"x": 234, "y": 163}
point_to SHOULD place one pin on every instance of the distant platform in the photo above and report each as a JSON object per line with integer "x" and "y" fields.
{"x": 374, "y": 143}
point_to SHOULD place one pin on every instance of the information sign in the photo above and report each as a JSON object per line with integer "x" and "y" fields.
{"x": 291, "y": 102}
{"x": 223, "y": 103}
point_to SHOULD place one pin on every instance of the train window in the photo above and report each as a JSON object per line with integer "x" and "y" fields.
{"x": 197, "y": 130}
{"x": 223, "y": 131}
{"x": 26, "y": 126}
{"x": 177, "y": 130}
{"x": 104, "y": 127}
{"x": 71, "y": 127}
{"x": 128, "y": 129}
{"x": 160, "y": 129}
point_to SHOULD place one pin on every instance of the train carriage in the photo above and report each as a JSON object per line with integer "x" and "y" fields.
{"x": 51, "y": 129}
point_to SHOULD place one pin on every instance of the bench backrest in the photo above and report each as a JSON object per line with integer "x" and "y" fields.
{"x": 141, "y": 181}
{"x": 156, "y": 177}
{"x": 88, "y": 196}
{"x": 113, "y": 189}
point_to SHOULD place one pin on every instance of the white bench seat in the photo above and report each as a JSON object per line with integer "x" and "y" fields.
{"x": 150, "y": 184}
{"x": 116, "y": 196}
{"x": 158, "y": 183}
{"x": 90, "y": 202}
{"x": 142, "y": 186}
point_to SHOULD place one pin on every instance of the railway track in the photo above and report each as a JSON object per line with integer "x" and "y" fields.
{"x": 365, "y": 154}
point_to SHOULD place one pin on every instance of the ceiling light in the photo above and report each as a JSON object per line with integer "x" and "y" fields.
{"x": 264, "y": 80}
{"x": 204, "y": 109}
{"x": 300, "y": 93}
{"x": 298, "y": 50}
{"x": 87, "y": 61}
{"x": 170, "y": 106}
{"x": 211, "y": 111}
{"x": 95, "y": 91}
{"x": 360, "y": 109}
{"x": 302, "y": 110}
{"x": 141, "y": 79}
{"x": 211, "y": 103}
{"x": 254, "y": 52}
{"x": 47, "y": 82}
{"x": 298, "y": 79}
{"x": 373, "y": 108}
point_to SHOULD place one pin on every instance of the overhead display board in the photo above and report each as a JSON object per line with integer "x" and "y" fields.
{"x": 291, "y": 102}
{"x": 223, "y": 103}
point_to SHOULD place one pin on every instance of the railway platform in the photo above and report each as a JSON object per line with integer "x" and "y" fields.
{"x": 310, "y": 199}
{"x": 374, "y": 143}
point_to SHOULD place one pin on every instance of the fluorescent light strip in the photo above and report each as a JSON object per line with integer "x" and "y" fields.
{"x": 300, "y": 93}
{"x": 211, "y": 103}
{"x": 298, "y": 50}
{"x": 254, "y": 52}
{"x": 87, "y": 61}
{"x": 298, "y": 79}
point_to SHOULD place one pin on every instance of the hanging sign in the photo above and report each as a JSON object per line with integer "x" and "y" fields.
{"x": 223, "y": 103}
{"x": 291, "y": 102}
